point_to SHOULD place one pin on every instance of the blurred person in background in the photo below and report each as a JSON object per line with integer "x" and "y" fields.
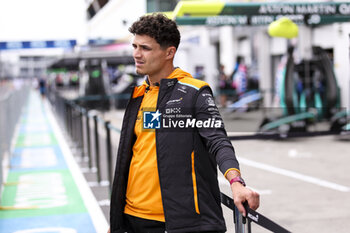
{"x": 225, "y": 85}
{"x": 42, "y": 87}
{"x": 167, "y": 181}
{"x": 239, "y": 77}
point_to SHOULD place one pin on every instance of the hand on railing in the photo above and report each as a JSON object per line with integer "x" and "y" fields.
{"x": 251, "y": 216}
{"x": 241, "y": 195}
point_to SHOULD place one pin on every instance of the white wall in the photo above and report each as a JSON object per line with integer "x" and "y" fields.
{"x": 264, "y": 66}
{"x": 324, "y": 36}
{"x": 342, "y": 61}
{"x": 190, "y": 55}
{"x": 228, "y": 48}
{"x": 278, "y": 46}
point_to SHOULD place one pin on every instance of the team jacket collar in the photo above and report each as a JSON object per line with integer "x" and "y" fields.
{"x": 176, "y": 74}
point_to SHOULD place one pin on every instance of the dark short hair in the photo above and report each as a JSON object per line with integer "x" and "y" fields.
{"x": 159, "y": 27}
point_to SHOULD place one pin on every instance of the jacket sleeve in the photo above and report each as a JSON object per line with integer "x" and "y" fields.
{"x": 215, "y": 138}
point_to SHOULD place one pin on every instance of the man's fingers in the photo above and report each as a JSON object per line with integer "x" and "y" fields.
{"x": 253, "y": 200}
{"x": 242, "y": 194}
{"x": 240, "y": 207}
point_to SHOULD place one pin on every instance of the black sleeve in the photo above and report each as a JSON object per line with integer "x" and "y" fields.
{"x": 214, "y": 137}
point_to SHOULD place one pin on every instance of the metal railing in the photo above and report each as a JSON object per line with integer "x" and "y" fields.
{"x": 92, "y": 138}
{"x": 11, "y": 105}
{"x": 243, "y": 224}
{"x": 96, "y": 141}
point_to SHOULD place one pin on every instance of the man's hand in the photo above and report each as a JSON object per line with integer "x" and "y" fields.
{"x": 242, "y": 194}
{"x": 109, "y": 230}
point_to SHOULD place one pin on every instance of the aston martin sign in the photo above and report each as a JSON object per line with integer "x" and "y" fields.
{"x": 306, "y": 9}
{"x": 208, "y": 13}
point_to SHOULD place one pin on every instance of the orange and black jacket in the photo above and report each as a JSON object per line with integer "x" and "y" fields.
{"x": 187, "y": 158}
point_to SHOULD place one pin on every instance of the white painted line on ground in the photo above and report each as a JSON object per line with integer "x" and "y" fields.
{"x": 294, "y": 175}
{"x": 97, "y": 217}
{"x": 224, "y": 182}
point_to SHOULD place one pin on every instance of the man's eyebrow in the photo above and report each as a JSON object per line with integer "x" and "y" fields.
{"x": 145, "y": 46}
{"x": 141, "y": 45}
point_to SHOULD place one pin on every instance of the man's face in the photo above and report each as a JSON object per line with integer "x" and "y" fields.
{"x": 148, "y": 55}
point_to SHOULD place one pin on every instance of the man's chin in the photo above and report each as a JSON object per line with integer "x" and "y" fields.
{"x": 140, "y": 72}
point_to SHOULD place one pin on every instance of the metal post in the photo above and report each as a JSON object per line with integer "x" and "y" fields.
{"x": 64, "y": 114}
{"x": 75, "y": 126}
{"x": 97, "y": 150}
{"x": 72, "y": 123}
{"x": 60, "y": 107}
{"x": 67, "y": 117}
{"x": 88, "y": 138}
{"x": 81, "y": 126}
{"x": 71, "y": 120}
{"x": 238, "y": 220}
{"x": 109, "y": 154}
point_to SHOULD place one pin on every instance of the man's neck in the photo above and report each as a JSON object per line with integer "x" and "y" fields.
{"x": 153, "y": 79}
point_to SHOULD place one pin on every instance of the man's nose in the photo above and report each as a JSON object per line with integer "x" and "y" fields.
{"x": 137, "y": 53}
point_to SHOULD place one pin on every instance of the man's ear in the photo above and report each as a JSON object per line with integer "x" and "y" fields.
{"x": 170, "y": 52}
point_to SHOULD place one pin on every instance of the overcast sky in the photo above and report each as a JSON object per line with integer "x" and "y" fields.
{"x": 22, "y": 20}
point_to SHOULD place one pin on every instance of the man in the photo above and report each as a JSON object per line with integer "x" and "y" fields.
{"x": 166, "y": 178}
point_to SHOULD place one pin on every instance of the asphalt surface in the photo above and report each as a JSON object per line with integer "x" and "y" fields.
{"x": 299, "y": 182}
